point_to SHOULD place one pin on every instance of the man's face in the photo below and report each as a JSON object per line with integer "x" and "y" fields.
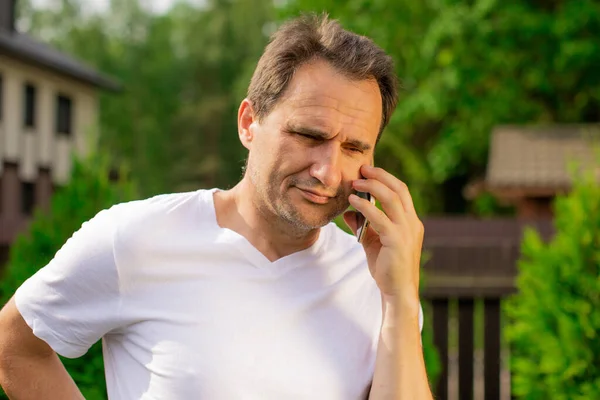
{"x": 305, "y": 153}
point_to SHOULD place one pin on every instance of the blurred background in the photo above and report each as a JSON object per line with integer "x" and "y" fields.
{"x": 496, "y": 134}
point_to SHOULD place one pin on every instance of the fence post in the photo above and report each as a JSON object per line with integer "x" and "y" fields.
{"x": 491, "y": 355}
{"x": 465, "y": 348}
{"x": 440, "y": 340}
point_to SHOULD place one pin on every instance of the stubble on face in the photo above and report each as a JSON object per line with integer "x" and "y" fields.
{"x": 313, "y": 216}
{"x": 275, "y": 203}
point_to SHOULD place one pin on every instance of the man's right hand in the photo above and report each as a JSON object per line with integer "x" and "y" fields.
{"x": 29, "y": 368}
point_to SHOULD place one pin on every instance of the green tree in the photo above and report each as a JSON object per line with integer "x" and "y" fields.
{"x": 228, "y": 38}
{"x": 89, "y": 191}
{"x": 555, "y": 317}
{"x": 433, "y": 363}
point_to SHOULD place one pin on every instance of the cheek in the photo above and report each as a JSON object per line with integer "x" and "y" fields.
{"x": 285, "y": 152}
{"x": 352, "y": 169}
{"x": 271, "y": 157}
{"x": 263, "y": 149}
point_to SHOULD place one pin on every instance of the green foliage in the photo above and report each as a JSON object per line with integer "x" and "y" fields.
{"x": 224, "y": 43}
{"x": 433, "y": 364}
{"x": 88, "y": 192}
{"x": 554, "y": 319}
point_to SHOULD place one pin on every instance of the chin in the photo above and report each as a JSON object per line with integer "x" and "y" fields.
{"x": 317, "y": 223}
{"x": 317, "y": 219}
{"x": 309, "y": 225}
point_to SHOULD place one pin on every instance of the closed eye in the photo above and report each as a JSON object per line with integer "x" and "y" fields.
{"x": 304, "y": 135}
{"x": 355, "y": 150}
{"x": 316, "y": 136}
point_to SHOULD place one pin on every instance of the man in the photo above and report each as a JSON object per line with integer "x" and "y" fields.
{"x": 249, "y": 293}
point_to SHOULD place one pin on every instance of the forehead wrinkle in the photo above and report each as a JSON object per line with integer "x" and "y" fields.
{"x": 324, "y": 120}
{"x": 312, "y": 100}
{"x": 311, "y": 81}
{"x": 332, "y": 103}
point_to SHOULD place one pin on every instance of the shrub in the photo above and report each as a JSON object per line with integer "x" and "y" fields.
{"x": 554, "y": 320}
{"x": 89, "y": 191}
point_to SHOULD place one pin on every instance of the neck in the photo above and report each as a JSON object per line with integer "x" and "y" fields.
{"x": 239, "y": 209}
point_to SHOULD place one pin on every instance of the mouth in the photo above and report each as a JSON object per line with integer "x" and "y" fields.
{"x": 314, "y": 197}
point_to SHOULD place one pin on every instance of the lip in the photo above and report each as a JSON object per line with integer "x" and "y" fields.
{"x": 314, "y": 197}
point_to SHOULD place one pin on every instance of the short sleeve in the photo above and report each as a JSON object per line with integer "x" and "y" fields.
{"x": 75, "y": 300}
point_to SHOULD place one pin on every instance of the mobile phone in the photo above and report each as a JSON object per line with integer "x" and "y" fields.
{"x": 362, "y": 221}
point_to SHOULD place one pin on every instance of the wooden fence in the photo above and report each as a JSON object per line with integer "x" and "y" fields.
{"x": 471, "y": 261}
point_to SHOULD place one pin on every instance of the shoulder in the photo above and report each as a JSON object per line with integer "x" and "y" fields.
{"x": 157, "y": 215}
{"x": 162, "y": 203}
{"x": 159, "y": 208}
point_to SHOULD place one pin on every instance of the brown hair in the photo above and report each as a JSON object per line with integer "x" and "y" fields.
{"x": 311, "y": 37}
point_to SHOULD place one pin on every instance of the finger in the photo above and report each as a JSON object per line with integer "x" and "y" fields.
{"x": 390, "y": 201}
{"x": 393, "y": 183}
{"x": 379, "y": 221}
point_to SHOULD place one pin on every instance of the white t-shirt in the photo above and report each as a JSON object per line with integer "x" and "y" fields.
{"x": 189, "y": 310}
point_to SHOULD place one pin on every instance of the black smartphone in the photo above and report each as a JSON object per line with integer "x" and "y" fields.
{"x": 362, "y": 222}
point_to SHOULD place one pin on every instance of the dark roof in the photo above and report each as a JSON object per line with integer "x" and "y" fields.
{"x": 538, "y": 157}
{"x": 24, "y": 47}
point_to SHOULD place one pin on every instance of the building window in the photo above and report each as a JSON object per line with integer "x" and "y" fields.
{"x": 1, "y": 97}
{"x": 1, "y": 196}
{"x": 30, "y": 103}
{"x": 64, "y": 115}
{"x": 27, "y": 197}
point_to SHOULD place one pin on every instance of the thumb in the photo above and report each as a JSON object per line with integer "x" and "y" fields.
{"x": 350, "y": 218}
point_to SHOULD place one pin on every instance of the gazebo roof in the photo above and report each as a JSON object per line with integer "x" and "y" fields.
{"x": 537, "y": 158}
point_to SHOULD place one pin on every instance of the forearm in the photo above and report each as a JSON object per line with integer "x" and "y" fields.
{"x": 39, "y": 378}
{"x": 400, "y": 367}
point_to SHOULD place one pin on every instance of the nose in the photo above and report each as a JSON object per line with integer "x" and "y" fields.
{"x": 326, "y": 165}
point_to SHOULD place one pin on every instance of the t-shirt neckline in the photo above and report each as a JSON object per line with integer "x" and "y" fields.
{"x": 252, "y": 253}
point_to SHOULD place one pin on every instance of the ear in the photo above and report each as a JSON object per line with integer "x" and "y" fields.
{"x": 246, "y": 120}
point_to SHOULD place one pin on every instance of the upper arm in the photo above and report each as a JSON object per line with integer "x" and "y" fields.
{"x": 17, "y": 338}
{"x": 74, "y": 300}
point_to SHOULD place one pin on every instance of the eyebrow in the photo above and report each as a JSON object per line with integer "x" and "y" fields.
{"x": 319, "y": 134}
